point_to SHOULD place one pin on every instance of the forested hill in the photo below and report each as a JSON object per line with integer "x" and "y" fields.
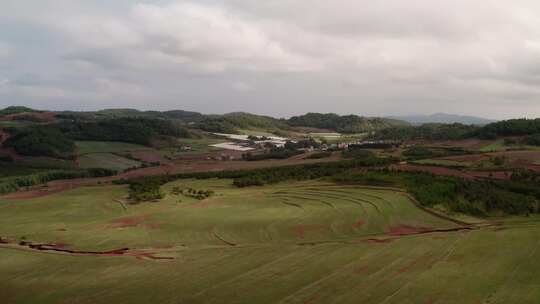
{"x": 15, "y": 110}
{"x": 186, "y": 116}
{"x": 344, "y": 124}
{"x": 232, "y": 122}
{"x": 527, "y": 129}
{"x": 444, "y": 118}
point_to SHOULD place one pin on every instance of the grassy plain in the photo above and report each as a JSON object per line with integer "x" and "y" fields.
{"x": 301, "y": 242}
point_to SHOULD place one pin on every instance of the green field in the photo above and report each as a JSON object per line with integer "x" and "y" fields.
{"x": 107, "y": 160}
{"x": 201, "y": 145}
{"x": 298, "y": 242}
{"x": 442, "y": 163}
{"x": 494, "y": 147}
{"x": 87, "y": 147}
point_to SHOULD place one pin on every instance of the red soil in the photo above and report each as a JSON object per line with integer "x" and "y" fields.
{"x": 407, "y": 230}
{"x": 135, "y": 221}
{"x": 466, "y": 174}
{"x": 150, "y": 157}
{"x": 129, "y": 221}
{"x": 379, "y": 241}
{"x": 173, "y": 168}
{"x": 467, "y": 158}
{"x": 358, "y": 224}
{"x": 11, "y": 153}
{"x": 7, "y": 151}
{"x": 313, "y": 299}
{"x": 41, "y": 116}
{"x": 411, "y": 265}
{"x": 360, "y": 269}
{"x": 61, "y": 248}
{"x": 471, "y": 143}
{"x": 301, "y": 230}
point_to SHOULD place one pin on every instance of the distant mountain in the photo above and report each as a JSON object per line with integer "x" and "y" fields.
{"x": 444, "y": 118}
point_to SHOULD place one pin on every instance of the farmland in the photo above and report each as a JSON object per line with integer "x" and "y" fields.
{"x": 99, "y": 208}
{"x": 443, "y": 162}
{"x": 88, "y": 147}
{"x": 107, "y": 160}
{"x": 302, "y": 242}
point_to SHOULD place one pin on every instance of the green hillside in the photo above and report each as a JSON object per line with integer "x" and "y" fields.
{"x": 301, "y": 242}
{"x": 343, "y": 124}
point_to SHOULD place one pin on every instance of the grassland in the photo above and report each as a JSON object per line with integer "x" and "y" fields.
{"x": 494, "y": 147}
{"x": 443, "y": 163}
{"x": 107, "y": 160}
{"x": 303, "y": 242}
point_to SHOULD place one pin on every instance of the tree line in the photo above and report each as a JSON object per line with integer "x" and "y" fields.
{"x": 13, "y": 184}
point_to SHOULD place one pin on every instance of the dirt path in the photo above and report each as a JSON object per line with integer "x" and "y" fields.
{"x": 60, "y": 248}
{"x": 466, "y": 174}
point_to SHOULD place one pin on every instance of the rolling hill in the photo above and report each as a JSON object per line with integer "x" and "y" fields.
{"x": 444, "y": 118}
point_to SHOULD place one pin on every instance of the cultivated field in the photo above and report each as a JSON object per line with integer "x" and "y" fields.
{"x": 87, "y": 147}
{"x": 107, "y": 160}
{"x": 298, "y": 242}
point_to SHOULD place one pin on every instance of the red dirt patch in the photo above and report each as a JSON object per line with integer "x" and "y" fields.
{"x": 173, "y": 168}
{"x": 360, "y": 270}
{"x": 10, "y": 153}
{"x": 301, "y": 230}
{"x": 407, "y": 230}
{"x": 39, "y": 116}
{"x": 135, "y": 221}
{"x": 150, "y": 157}
{"x": 466, "y": 158}
{"x": 358, "y": 224}
{"x": 466, "y": 174}
{"x": 379, "y": 241}
{"x": 129, "y": 222}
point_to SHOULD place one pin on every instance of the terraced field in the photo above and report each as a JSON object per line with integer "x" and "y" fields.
{"x": 302, "y": 242}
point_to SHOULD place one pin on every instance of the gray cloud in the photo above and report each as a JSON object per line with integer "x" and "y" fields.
{"x": 278, "y": 57}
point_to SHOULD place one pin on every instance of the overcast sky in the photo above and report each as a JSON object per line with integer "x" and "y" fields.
{"x": 275, "y": 57}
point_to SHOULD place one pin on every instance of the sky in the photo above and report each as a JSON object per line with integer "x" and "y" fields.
{"x": 274, "y": 57}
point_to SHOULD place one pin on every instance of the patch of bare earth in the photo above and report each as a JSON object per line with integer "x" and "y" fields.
{"x": 39, "y": 116}
{"x": 466, "y": 174}
{"x": 177, "y": 167}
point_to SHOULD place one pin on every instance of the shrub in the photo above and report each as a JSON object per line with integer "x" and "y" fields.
{"x": 145, "y": 189}
{"x": 41, "y": 141}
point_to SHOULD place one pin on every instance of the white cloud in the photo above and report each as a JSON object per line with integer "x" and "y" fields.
{"x": 209, "y": 38}
{"x": 359, "y": 56}
{"x": 241, "y": 86}
{"x": 5, "y": 50}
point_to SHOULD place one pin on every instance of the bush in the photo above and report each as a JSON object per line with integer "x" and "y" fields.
{"x": 274, "y": 153}
{"x": 145, "y": 189}
{"x": 478, "y": 198}
{"x": 133, "y": 130}
{"x": 533, "y": 140}
{"x": 358, "y": 154}
{"x": 41, "y": 141}
{"x": 319, "y": 155}
{"x": 12, "y": 184}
